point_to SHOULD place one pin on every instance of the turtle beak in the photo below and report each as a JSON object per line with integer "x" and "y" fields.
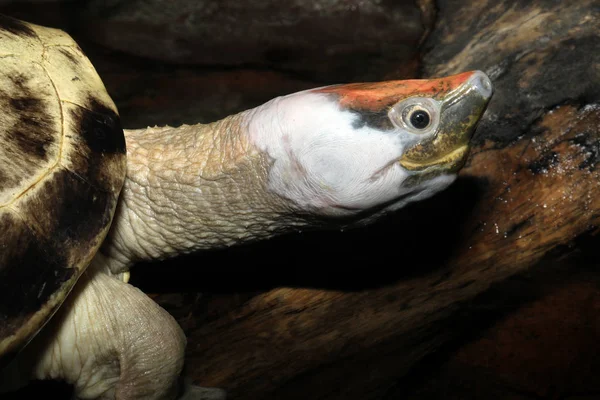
{"x": 461, "y": 110}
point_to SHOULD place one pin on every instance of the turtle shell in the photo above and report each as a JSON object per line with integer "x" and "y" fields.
{"x": 62, "y": 166}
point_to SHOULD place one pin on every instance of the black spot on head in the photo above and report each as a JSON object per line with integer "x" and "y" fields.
{"x": 15, "y": 26}
{"x": 101, "y": 128}
{"x": 373, "y": 119}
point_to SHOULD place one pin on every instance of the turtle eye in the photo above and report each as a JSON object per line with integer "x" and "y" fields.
{"x": 419, "y": 119}
{"x": 418, "y": 115}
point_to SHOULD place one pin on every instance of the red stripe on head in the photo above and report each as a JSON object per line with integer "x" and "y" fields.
{"x": 376, "y": 96}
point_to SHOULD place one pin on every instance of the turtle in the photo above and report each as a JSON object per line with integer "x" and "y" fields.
{"x": 82, "y": 199}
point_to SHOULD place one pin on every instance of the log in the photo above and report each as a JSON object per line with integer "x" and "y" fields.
{"x": 528, "y": 195}
{"x": 546, "y": 347}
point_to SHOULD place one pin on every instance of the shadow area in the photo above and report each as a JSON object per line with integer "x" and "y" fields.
{"x": 446, "y": 374}
{"x": 411, "y": 242}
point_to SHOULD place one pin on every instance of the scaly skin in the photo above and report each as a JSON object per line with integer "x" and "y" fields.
{"x": 328, "y": 156}
{"x": 192, "y": 188}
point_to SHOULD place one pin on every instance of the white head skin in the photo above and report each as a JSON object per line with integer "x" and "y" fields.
{"x": 325, "y": 164}
{"x": 327, "y": 157}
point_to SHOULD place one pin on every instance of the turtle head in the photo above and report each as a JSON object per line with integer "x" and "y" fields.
{"x": 444, "y": 115}
{"x": 351, "y": 148}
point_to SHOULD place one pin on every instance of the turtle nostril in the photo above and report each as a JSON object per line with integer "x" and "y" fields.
{"x": 482, "y": 83}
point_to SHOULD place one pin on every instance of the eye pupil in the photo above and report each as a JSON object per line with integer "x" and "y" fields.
{"x": 420, "y": 119}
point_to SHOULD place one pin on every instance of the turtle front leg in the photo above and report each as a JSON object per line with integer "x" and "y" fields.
{"x": 111, "y": 341}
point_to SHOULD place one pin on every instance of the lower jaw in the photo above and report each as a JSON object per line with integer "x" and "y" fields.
{"x": 450, "y": 162}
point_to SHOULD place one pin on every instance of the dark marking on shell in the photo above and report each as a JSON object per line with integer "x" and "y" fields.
{"x": 15, "y": 26}
{"x": 31, "y": 270}
{"x": 79, "y": 213}
{"x": 20, "y": 81}
{"x": 101, "y": 128}
{"x": 34, "y": 131}
{"x": 84, "y": 211}
{"x": 3, "y": 178}
{"x": 98, "y": 153}
{"x": 27, "y": 130}
{"x": 69, "y": 56}
{"x": 40, "y": 255}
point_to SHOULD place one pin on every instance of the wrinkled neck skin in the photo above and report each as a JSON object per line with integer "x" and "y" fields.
{"x": 192, "y": 188}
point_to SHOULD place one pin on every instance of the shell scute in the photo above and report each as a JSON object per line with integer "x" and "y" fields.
{"x": 62, "y": 166}
{"x": 30, "y": 126}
